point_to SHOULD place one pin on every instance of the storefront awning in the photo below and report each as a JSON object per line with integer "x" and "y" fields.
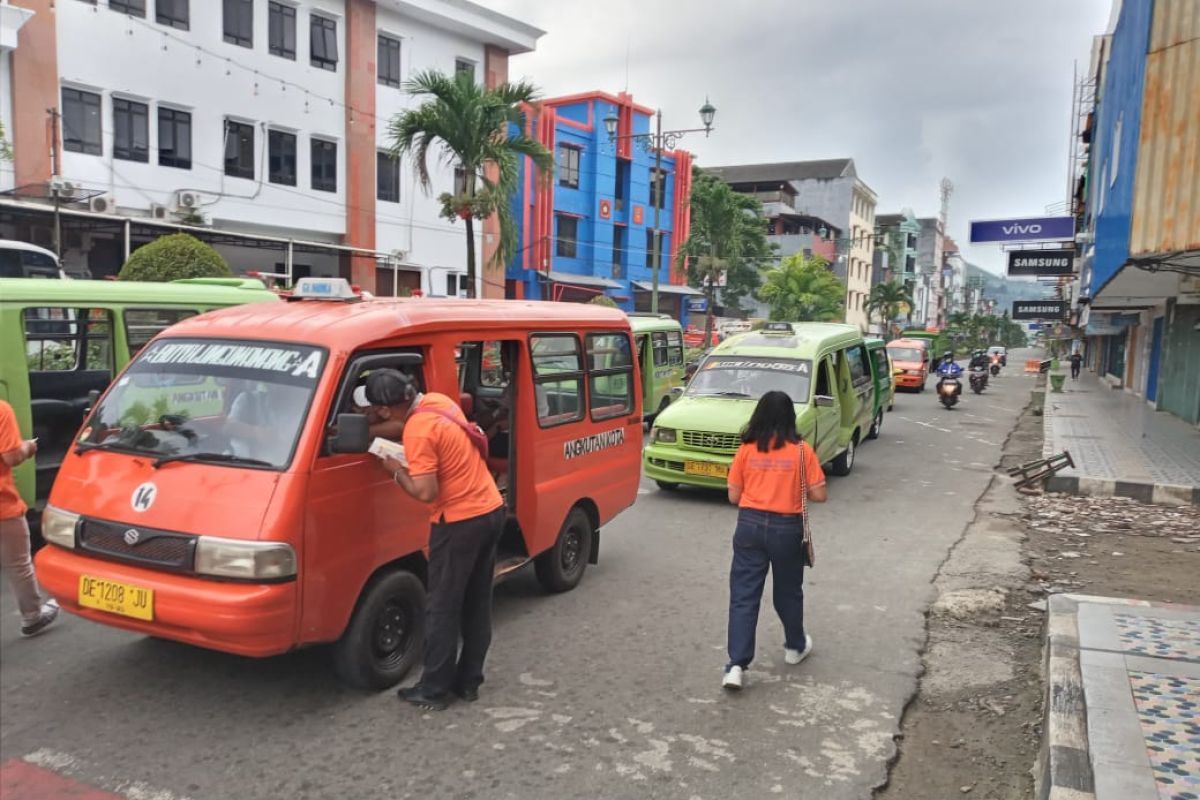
{"x": 1102, "y": 324}
{"x": 666, "y": 288}
{"x": 583, "y": 280}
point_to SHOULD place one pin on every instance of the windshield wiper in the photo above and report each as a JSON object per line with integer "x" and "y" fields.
{"x": 224, "y": 458}
{"x": 723, "y": 394}
{"x": 87, "y": 447}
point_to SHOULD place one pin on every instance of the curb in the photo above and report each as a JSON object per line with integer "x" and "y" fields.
{"x": 1163, "y": 494}
{"x": 1064, "y": 771}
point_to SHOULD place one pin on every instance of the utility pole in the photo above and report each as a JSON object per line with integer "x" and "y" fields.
{"x": 54, "y": 190}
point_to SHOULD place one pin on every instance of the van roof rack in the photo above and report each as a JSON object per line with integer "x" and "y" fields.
{"x": 658, "y": 315}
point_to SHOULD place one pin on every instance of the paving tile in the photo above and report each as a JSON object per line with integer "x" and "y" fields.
{"x": 1169, "y": 711}
{"x": 1098, "y": 629}
{"x": 1105, "y": 687}
{"x": 1183, "y": 669}
{"x": 1156, "y": 637}
{"x": 1116, "y": 781}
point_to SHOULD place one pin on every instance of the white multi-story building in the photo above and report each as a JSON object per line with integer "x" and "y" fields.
{"x": 263, "y": 122}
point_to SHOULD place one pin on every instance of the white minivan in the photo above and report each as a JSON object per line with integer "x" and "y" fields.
{"x": 24, "y": 260}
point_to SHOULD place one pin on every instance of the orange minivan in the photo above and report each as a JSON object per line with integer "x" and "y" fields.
{"x": 911, "y": 360}
{"x": 220, "y": 492}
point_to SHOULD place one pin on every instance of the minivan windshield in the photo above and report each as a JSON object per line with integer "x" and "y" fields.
{"x": 751, "y": 378}
{"x": 229, "y": 402}
{"x": 906, "y": 354}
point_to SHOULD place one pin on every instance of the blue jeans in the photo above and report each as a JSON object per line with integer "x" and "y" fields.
{"x": 764, "y": 539}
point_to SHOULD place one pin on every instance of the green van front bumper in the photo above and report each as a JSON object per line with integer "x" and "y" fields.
{"x": 668, "y": 464}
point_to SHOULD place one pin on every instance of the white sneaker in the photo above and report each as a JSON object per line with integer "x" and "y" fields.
{"x": 794, "y": 657}
{"x": 733, "y": 679}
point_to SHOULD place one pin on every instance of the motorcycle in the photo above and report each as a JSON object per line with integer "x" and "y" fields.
{"x": 995, "y": 365}
{"x": 948, "y": 390}
{"x": 979, "y": 380}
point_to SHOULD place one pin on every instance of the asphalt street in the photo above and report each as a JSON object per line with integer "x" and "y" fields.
{"x": 609, "y": 691}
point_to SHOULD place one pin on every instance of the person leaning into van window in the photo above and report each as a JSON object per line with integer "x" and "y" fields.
{"x": 36, "y": 616}
{"x": 765, "y": 485}
{"x": 446, "y": 471}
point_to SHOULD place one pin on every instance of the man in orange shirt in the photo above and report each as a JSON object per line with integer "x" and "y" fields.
{"x": 36, "y": 616}
{"x": 446, "y": 470}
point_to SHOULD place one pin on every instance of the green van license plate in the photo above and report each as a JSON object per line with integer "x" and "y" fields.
{"x": 705, "y": 469}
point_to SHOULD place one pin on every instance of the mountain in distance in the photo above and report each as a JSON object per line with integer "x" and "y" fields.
{"x": 1005, "y": 290}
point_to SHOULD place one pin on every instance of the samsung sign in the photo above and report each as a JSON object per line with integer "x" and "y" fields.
{"x": 1032, "y": 229}
{"x": 1041, "y": 262}
{"x": 1039, "y": 309}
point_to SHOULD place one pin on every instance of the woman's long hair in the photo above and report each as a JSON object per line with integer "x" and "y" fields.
{"x": 773, "y": 423}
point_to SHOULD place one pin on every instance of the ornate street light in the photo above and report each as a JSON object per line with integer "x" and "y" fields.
{"x": 657, "y": 142}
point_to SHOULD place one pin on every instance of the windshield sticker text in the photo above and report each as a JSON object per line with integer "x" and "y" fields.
{"x": 271, "y": 359}
{"x": 794, "y": 367}
{"x": 587, "y": 445}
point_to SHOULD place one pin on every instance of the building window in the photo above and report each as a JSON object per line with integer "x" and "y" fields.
{"x": 618, "y": 253}
{"x": 131, "y": 130}
{"x": 568, "y": 236}
{"x": 388, "y": 61}
{"x": 323, "y": 48}
{"x": 281, "y": 30}
{"x": 460, "y": 180}
{"x": 621, "y": 189}
{"x": 651, "y": 250}
{"x": 81, "y": 121}
{"x": 324, "y": 165}
{"x": 172, "y": 12}
{"x": 387, "y": 178}
{"x": 568, "y": 166}
{"x": 174, "y": 138}
{"x": 658, "y": 188}
{"x": 239, "y": 22}
{"x": 134, "y": 8}
{"x": 281, "y": 157}
{"x": 464, "y": 67}
{"x": 239, "y": 150}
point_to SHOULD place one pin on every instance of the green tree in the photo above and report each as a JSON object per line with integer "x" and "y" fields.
{"x": 603, "y": 300}
{"x": 888, "y": 300}
{"x": 479, "y": 131}
{"x": 803, "y": 289}
{"x": 6, "y": 153}
{"x": 727, "y": 244}
{"x": 170, "y": 258}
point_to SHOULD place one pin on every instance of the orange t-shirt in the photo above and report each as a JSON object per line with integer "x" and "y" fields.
{"x": 11, "y": 504}
{"x": 435, "y": 445}
{"x": 771, "y": 481}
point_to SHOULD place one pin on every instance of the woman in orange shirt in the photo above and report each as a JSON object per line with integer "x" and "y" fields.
{"x": 765, "y": 483}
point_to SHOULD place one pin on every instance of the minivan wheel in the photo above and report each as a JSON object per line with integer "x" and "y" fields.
{"x": 667, "y": 486}
{"x": 560, "y": 568}
{"x": 876, "y": 425}
{"x": 383, "y": 640}
{"x": 845, "y": 462}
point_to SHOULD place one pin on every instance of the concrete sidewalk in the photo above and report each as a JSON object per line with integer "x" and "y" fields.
{"x": 1120, "y": 446}
{"x": 1123, "y": 701}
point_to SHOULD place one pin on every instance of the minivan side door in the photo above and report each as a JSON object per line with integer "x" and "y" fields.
{"x": 863, "y": 386}
{"x": 825, "y": 440}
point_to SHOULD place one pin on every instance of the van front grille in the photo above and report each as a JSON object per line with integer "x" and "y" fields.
{"x": 716, "y": 442}
{"x": 161, "y": 549}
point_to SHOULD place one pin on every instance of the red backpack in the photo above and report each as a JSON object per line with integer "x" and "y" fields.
{"x": 473, "y": 431}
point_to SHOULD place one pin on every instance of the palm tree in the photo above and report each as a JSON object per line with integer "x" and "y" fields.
{"x": 480, "y": 132}
{"x": 888, "y": 299}
{"x": 803, "y": 289}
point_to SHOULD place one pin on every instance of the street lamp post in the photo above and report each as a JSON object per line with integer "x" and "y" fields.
{"x": 658, "y": 141}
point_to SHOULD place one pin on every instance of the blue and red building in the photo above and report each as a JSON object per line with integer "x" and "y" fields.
{"x": 589, "y": 229}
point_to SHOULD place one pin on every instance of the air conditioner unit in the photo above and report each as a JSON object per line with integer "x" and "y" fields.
{"x": 159, "y": 211}
{"x": 187, "y": 200}
{"x": 61, "y": 187}
{"x": 400, "y": 255}
{"x": 102, "y": 204}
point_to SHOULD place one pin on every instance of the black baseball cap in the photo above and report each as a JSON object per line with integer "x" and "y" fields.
{"x": 390, "y": 387}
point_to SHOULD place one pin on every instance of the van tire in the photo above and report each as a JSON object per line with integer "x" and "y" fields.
{"x": 561, "y": 568}
{"x": 876, "y": 425}
{"x": 384, "y": 638}
{"x": 844, "y": 463}
{"x": 667, "y": 486}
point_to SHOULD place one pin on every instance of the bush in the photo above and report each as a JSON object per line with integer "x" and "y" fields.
{"x": 603, "y": 300}
{"x": 170, "y": 258}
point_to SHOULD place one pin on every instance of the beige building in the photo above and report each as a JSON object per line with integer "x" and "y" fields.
{"x": 859, "y": 254}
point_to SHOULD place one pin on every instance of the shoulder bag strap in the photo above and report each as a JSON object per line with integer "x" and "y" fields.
{"x": 809, "y": 552}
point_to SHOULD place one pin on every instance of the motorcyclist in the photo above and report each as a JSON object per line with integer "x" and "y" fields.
{"x": 948, "y": 369}
{"x": 979, "y": 360}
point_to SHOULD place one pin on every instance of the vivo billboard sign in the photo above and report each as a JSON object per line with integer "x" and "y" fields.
{"x": 1032, "y": 229}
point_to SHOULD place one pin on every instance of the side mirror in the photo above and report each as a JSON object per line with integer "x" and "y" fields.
{"x": 897, "y": 371}
{"x": 823, "y": 401}
{"x": 676, "y": 392}
{"x": 93, "y": 398}
{"x": 353, "y": 434}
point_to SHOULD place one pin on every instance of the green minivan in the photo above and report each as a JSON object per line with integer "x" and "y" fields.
{"x": 62, "y": 340}
{"x": 884, "y": 376}
{"x": 826, "y": 369}
{"x": 659, "y": 342}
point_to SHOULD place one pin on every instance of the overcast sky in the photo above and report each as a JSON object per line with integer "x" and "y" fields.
{"x": 913, "y": 90}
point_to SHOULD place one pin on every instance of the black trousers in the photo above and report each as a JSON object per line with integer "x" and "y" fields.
{"x": 462, "y": 560}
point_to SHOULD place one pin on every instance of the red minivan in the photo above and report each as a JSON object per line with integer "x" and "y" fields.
{"x": 181, "y": 514}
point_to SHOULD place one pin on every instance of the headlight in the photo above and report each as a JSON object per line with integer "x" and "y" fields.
{"x": 233, "y": 558}
{"x": 665, "y": 435}
{"x": 58, "y": 526}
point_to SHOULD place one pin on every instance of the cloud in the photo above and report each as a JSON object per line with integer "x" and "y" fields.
{"x": 913, "y": 90}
